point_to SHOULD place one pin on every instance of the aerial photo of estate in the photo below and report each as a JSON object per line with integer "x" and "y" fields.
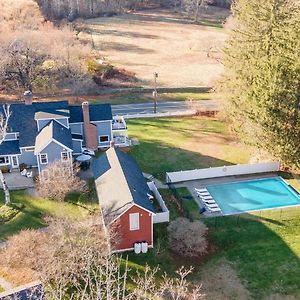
{"x": 149, "y": 150}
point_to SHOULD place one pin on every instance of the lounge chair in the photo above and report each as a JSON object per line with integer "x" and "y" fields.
{"x": 206, "y": 197}
{"x": 201, "y": 190}
{"x": 213, "y": 209}
{"x": 209, "y": 201}
{"x": 204, "y": 194}
{"x": 212, "y": 205}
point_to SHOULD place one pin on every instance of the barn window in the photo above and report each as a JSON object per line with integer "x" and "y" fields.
{"x": 134, "y": 221}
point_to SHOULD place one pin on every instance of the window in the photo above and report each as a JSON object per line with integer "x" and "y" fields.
{"x": 4, "y": 160}
{"x": 64, "y": 156}
{"x": 134, "y": 221}
{"x": 44, "y": 158}
{"x": 29, "y": 149}
{"x": 103, "y": 138}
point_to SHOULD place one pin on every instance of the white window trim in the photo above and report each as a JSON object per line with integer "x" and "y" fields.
{"x": 131, "y": 227}
{"x": 29, "y": 149}
{"x": 61, "y": 155}
{"x": 7, "y": 159}
{"x": 45, "y": 163}
{"x": 106, "y": 135}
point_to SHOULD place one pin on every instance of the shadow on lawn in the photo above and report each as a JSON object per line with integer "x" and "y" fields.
{"x": 262, "y": 249}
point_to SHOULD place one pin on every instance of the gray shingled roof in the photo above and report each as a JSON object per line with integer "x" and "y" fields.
{"x": 98, "y": 112}
{"x": 53, "y": 130}
{"x": 119, "y": 183}
{"x": 9, "y": 148}
{"x": 22, "y": 118}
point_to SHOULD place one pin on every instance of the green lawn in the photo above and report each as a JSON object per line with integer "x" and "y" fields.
{"x": 173, "y": 144}
{"x": 32, "y": 215}
{"x": 131, "y": 97}
{"x": 264, "y": 249}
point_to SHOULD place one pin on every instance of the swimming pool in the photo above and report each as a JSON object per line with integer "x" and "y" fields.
{"x": 251, "y": 195}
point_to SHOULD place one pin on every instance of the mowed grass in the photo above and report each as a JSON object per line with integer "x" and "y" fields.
{"x": 161, "y": 41}
{"x": 35, "y": 210}
{"x": 125, "y": 97}
{"x": 174, "y": 144}
{"x": 264, "y": 250}
{"x": 259, "y": 253}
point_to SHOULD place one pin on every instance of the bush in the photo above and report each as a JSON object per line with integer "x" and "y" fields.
{"x": 187, "y": 238}
{"x": 4, "y": 169}
{"x": 8, "y": 212}
{"x": 59, "y": 182}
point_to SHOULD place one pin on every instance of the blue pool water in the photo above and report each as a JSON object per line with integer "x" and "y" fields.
{"x": 244, "y": 196}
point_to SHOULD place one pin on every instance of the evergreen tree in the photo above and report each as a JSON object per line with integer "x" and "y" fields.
{"x": 262, "y": 76}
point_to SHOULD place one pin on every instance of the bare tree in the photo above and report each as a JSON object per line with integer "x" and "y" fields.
{"x": 59, "y": 179}
{"x": 73, "y": 262}
{"x": 4, "y": 118}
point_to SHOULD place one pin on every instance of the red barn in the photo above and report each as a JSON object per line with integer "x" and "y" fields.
{"x": 124, "y": 199}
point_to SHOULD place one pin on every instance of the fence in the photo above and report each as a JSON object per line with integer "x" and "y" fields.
{"x": 174, "y": 177}
{"x": 275, "y": 216}
{"x": 183, "y": 209}
{"x": 163, "y": 216}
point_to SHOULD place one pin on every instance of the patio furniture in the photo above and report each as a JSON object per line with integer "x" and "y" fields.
{"x": 24, "y": 172}
{"x": 209, "y": 201}
{"x": 83, "y": 158}
{"x": 212, "y": 205}
{"x": 201, "y": 190}
{"x": 29, "y": 174}
{"x": 213, "y": 209}
{"x": 204, "y": 194}
{"x": 206, "y": 197}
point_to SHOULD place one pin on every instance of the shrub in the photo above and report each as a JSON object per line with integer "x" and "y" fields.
{"x": 59, "y": 182}
{"x": 187, "y": 238}
{"x": 4, "y": 169}
{"x": 8, "y": 212}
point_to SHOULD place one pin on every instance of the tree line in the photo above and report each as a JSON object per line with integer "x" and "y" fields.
{"x": 72, "y": 9}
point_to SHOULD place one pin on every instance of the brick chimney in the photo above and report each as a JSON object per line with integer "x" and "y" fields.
{"x": 28, "y": 97}
{"x": 90, "y": 130}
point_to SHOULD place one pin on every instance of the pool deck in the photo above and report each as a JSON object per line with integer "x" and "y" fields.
{"x": 202, "y": 183}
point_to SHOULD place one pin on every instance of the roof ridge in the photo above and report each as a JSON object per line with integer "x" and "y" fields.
{"x": 114, "y": 151}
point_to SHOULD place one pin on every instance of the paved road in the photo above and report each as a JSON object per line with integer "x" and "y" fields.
{"x": 162, "y": 107}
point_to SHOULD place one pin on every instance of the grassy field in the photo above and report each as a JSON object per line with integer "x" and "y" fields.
{"x": 161, "y": 41}
{"x": 251, "y": 256}
{"x": 32, "y": 215}
{"x": 125, "y": 98}
{"x": 173, "y": 144}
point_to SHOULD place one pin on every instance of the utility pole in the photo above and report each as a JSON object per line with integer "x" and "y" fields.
{"x": 155, "y": 92}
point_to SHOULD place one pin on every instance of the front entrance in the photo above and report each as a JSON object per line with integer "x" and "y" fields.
{"x": 14, "y": 161}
